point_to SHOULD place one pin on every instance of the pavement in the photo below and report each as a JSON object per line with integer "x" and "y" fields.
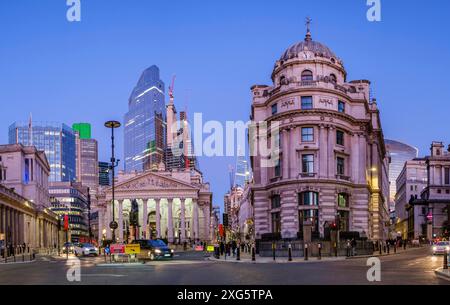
{"x": 443, "y": 274}
{"x": 408, "y": 268}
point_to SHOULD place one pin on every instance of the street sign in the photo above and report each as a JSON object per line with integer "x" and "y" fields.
{"x": 132, "y": 249}
{"x": 117, "y": 249}
{"x": 210, "y": 248}
{"x": 198, "y": 248}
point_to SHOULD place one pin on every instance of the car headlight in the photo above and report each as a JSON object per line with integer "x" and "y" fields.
{"x": 64, "y": 248}
{"x": 171, "y": 251}
{"x": 434, "y": 248}
{"x": 157, "y": 251}
{"x": 447, "y": 248}
{"x": 71, "y": 248}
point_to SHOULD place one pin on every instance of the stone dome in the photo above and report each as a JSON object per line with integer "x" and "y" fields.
{"x": 308, "y": 45}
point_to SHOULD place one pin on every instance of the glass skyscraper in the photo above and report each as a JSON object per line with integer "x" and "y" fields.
{"x": 399, "y": 154}
{"x": 56, "y": 140}
{"x": 144, "y": 130}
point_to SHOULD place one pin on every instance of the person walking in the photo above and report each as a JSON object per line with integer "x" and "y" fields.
{"x": 348, "y": 246}
{"x": 353, "y": 245}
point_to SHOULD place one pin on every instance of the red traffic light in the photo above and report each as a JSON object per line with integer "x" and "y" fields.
{"x": 66, "y": 222}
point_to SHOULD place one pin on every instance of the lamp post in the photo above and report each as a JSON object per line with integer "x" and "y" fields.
{"x": 113, "y": 125}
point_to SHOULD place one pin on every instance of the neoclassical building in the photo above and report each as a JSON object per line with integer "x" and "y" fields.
{"x": 172, "y": 205}
{"x": 25, "y": 216}
{"x": 332, "y": 164}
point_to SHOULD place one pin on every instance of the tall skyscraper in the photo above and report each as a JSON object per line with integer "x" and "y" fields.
{"x": 87, "y": 159}
{"x": 55, "y": 139}
{"x": 399, "y": 153}
{"x": 145, "y": 123}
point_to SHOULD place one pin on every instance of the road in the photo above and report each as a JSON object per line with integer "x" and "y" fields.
{"x": 411, "y": 268}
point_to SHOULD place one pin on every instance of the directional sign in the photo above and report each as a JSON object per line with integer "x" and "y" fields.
{"x": 133, "y": 249}
{"x": 210, "y": 248}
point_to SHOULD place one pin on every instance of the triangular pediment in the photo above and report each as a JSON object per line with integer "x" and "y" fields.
{"x": 153, "y": 181}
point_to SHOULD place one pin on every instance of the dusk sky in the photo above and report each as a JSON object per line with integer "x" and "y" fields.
{"x": 85, "y": 71}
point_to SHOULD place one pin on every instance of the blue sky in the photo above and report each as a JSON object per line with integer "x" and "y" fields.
{"x": 84, "y": 72}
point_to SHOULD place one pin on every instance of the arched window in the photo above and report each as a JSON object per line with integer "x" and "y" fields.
{"x": 307, "y": 75}
{"x": 333, "y": 78}
{"x": 343, "y": 200}
{"x": 283, "y": 80}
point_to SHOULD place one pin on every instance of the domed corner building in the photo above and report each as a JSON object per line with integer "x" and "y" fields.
{"x": 332, "y": 173}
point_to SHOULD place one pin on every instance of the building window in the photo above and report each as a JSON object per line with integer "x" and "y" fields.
{"x": 307, "y": 102}
{"x": 333, "y": 78}
{"x": 276, "y": 201}
{"x": 308, "y": 164}
{"x": 343, "y": 200}
{"x": 278, "y": 169}
{"x": 344, "y": 220}
{"x": 2, "y": 174}
{"x": 307, "y": 76}
{"x": 310, "y": 216}
{"x": 274, "y": 109}
{"x": 339, "y": 137}
{"x": 308, "y": 198}
{"x": 447, "y": 175}
{"x": 341, "y": 106}
{"x": 307, "y": 134}
{"x": 340, "y": 162}
{"x": 276, "y": 222}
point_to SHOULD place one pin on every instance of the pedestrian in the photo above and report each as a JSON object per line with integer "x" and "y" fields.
{"x": 353, "y": 245}
{"x": 348, "y": 246}
{"x": 222, "y": 248}
{"x": 233, "y": 247}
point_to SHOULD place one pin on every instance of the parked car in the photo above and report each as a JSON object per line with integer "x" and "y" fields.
{"x": 85, "y": 249}
{"x": 441, "y": 247}
{"x": 155, "y": 248}
{"x": 67, "y": 247}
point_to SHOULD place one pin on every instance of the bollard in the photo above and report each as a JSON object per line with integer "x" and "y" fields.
{"x": 379, "y": 248}
{"x": 273, "y": 250}
{"x": 306, "y": 252}
{"x": 335, "y": 250}
{"x": 253, "y": 254}
{"x": 395, "y": 248}
{"x": 238, "y": 253}
{"x": 290, "y": 253}
{"x": 320, "y": 251}
{"x": 445, "y": 261}
{"x": 14, "y": 253}
{"x": 387, "y": 248}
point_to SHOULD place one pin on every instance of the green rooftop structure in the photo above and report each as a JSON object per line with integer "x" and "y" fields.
{"x": 84, "y": 130}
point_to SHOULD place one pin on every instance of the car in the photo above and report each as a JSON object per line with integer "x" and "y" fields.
{"x": 441, "y": 247}
{"x": 156, "y": 248}
{"x": 67, "y": 247}
{"x": 85, "y": 249}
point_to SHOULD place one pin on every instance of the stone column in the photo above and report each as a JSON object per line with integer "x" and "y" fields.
{"x": 195, "y": 216}
{"x": 183, "y": 220}
{"x": 323, "y": 152}
{"x": 145, "y": 217}
{"x": 100, "y": 224}
{"x": 285, "y": 160}
{"x": 170, "y": 220}
{"x": 108, "y": 220}
{"x": 294, "y": 167}
{"x": 354, "y": 158}
{"x": 158, "y": 218}
{"x": 331, "y": 157}
{"x": 120, "y": 221}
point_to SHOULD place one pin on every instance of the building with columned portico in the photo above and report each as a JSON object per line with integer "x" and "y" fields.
{"x": 170, "y": 205}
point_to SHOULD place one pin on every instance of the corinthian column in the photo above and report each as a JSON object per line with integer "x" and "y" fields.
{"x": 170, "y": 220}
{"x": 183, "y": 220}
{"x": 195, "y": 216}
{"x": 158, "y": 218}
{"x": 145, "y": 217}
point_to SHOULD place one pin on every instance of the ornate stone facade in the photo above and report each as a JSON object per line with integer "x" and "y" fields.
{"x": 172, "y": 205}
{"x": 333, "y": 164}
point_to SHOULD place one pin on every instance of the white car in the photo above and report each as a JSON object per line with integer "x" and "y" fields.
{"x": 85, "y": 249}
{"x": 441, "y": 247}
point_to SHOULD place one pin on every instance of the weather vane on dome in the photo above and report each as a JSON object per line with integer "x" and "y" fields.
{"x": 308, "y": 28}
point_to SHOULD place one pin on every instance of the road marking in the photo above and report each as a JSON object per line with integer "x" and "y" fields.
{"x": 106, "y": 274}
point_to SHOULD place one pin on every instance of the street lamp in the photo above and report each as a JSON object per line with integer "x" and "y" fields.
{"x": 113, "y": 125}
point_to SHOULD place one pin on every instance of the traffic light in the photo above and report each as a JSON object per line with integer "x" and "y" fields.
{"x": 225, "y": 220}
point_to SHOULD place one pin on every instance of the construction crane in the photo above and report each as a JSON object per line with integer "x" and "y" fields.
{"x": 172, "y": 86}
